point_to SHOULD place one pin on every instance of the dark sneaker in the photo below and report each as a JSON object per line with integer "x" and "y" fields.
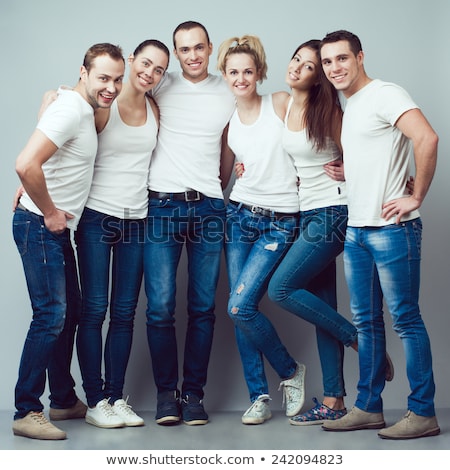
{"x": 168, "y": 408}
{"x": 192, "y": 411}
{"x": 317, "y": 415}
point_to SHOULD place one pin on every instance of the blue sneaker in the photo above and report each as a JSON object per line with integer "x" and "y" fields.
{"x": 317, "y": 415}
{"x": 192, "y": 410}
{"x": 168, "y": 408}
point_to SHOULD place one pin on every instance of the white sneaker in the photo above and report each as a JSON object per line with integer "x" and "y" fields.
{"x": 103, "y": 416}
{"x": 294, "y": 391}
{"x": 258, "y": 412}
{"x": 124, "y": 411}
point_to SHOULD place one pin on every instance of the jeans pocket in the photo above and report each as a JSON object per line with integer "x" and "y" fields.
{"x": 20, "y": 233}
{"x": 217, "y": 205}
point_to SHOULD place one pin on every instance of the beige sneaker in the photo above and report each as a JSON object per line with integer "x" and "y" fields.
{"x": 354, "y": 420}
{"x": 258, "y": 412}
{"x": 77, "y": 411}
{"x": 411, "y": 426}
{"x": 294, "y": 391}
{"x": 35, "y": 426}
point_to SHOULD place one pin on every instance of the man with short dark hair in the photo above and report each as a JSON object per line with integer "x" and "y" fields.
{"x": 55, "y": 168}
{"x": 186, "y": 208}
{"x": 382, "y": 127}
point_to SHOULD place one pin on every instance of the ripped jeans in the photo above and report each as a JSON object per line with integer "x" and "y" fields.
{"x": 254, "y": 247}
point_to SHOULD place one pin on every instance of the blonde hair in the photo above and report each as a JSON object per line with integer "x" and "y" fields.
{"x": 247, "y": 44}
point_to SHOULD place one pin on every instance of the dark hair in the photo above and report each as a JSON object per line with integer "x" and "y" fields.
{"x": 186, "y": 26}
{"x": 322, "y": 106}
{"x": 343, "y": 35}
{"x": 154, "y": 43}
{"x": 104, "y": 48}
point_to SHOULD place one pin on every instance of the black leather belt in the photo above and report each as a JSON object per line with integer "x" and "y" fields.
{"x": 187, "y": 196}
{"x": 264, "y": 212}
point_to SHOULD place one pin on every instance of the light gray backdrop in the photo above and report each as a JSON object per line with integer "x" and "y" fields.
{"x": 405, "y": 41}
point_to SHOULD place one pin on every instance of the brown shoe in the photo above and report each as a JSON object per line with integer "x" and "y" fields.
{"x": 411, "y": 426}
{"x": 77, "y": 411}
{"x": 354, "y": 420}
{"x": 389, "y": 373}
{"x": 35, "y": 426}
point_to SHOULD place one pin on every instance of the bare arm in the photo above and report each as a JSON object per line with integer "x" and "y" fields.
{"x": 29, "y": 168}
{"x": 226, "y": 160}
{"x": 414, "y": 125}
{"x": 47, "y": 100}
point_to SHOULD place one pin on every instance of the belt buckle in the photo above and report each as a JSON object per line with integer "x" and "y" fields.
{"x": 189, "y": 198}
{"x": 260, "y": 211}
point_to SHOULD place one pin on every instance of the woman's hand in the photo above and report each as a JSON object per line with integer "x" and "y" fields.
{"x": 239, "y": 169}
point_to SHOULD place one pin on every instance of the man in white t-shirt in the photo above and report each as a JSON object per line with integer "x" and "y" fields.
{"x": 382, "y": 128}
{"x": 189, "y": 167}
{"x": 55, "y": 168}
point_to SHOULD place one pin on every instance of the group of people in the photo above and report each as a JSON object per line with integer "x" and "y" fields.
{"x": 138, "y": 170}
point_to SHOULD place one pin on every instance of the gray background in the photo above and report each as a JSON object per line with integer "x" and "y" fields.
{"x": 405, "y": 41}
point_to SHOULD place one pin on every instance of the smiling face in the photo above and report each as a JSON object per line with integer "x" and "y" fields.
{"x": 103, "y": 83}
{"x": 192, "y": 49}
{"x": 303, "y": 70}
{"x": 147, "y": 68}
{"x": 342, "y": 67}
{"x": 241, "y": 74}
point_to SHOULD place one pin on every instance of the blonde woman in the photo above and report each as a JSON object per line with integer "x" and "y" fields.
{"x": 262, "y": 217}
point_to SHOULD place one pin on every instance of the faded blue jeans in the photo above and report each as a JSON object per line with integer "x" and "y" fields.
{"x": 172, "y": 225}
{"x": 51, "y": 274}
{"x": 305, "y": 285}
{"x": 110, "y": 257}
{"x": 254, "y": 247}
{"x": 384, "y": 262}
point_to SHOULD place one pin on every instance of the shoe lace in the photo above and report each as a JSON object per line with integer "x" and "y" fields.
{"x": 39, "y": 417}
{"x": 106, "y": 408}
{"x": 259, "y": 403}
{"x": 288, "y": 389}
{"x": 125, "y": 407}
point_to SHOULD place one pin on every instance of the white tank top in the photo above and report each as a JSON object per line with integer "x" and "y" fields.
{"x": 269, "y": 179}
{"x": 119, "y": 186}
{"x": 316, "y": 189}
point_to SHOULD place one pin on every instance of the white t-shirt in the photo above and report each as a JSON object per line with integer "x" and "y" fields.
{"x": 317, "y": 189}
{"x": 269, "y": 179}
{"x": 192, "y": 119}
{"x": 119, "y": 185}
{"x": 69, "y": 123}
{"x": 377, "y": 155}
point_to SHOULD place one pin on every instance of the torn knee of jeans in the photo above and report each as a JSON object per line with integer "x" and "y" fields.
{"x": 234, "y": 310}
{"x": 240, "y": 288}
{"x": 271, "y": 246}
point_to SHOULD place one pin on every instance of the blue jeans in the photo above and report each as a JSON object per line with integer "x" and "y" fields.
{"x": 51, "y": 274}
{"x": 199, "y": 227}
{"x": 254, "y": 247}
{"x": 99, "y": 238}
{"x": 305, "y": 285}
{"x": 384, "y": 262}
